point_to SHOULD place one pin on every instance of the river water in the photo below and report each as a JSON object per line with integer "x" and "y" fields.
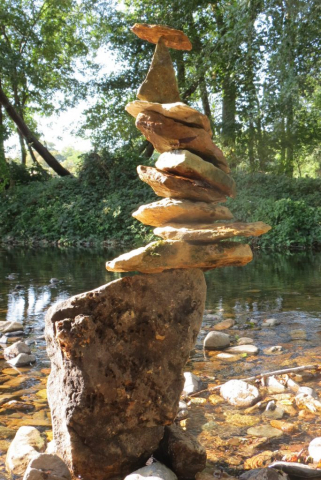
{"x": 285, "y": 287}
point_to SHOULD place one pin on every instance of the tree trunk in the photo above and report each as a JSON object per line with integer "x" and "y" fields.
{"x": 30, "y": 138}
{"x": 33, "y": 157}
{"x": 228, "y": 111}
{"x": 205, "y": 100}
{"x": 251, "y": 146}
{"x": 23, "y": 150}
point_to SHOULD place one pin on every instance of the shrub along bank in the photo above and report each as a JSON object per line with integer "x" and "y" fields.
{"x": 96, "y": 207}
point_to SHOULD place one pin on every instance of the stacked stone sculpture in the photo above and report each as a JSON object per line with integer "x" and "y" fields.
{"x": 118, "y": 352}
{"x": 191, "y": 173}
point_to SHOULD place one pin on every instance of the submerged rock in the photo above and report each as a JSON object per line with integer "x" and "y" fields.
{"x": 264, "y": 474}
{"x": 118, "y": 354}
{"x": 182, "y": 452}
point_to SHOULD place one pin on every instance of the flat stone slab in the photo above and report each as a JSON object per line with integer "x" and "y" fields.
{"x": 167, "y": 134}
{"x": 172, "y": 186}
{"x": 249, "y": 349}
{"x": 152, "y": 33}
{"x": 171, "y": 210}
{"x": 177, "y": 111}
{"x": 118, "y": 355}
{"x": 167, "y": 254}
{"x": 210, "y": 233}
{"x": 187, "y": 164}
{"x": 160, "y": 84}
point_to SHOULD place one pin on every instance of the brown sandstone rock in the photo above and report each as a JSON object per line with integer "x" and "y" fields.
{"x": 166, "y": 254}
{"x": 167, "y": 134}
{"x": 182, "y": 452}
{"x": 117, "y": 355}
{"x": 177, "y": 111}
{"x": 160, "y": 84}
{"x": 152, "y": 33}
{"x": 180, "y": 211}
{"x": 186, "y": 164}
{"x": 172, "y": 186}
{"x": 210, "y": 233}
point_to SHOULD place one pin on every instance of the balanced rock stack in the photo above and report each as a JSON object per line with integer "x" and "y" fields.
{"x": 191, "y": 173}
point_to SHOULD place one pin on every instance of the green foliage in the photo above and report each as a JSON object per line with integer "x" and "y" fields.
{"x": 93, "y": 208}
{"x": 290, "y": 206}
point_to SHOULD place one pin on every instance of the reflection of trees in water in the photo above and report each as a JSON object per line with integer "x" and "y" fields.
{"x": 264, "y": 285}
{"x": 31, "y": 302}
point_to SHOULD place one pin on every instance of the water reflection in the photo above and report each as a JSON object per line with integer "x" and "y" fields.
{"x": 285, "y": 287}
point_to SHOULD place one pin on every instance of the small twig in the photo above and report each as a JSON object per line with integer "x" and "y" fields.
{"x": 263, "y": 375}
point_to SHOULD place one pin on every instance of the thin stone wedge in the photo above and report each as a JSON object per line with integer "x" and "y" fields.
{"x": 210, "y": 233}
{"x": 152, "y": 33}
{"x": 159, "y": 256}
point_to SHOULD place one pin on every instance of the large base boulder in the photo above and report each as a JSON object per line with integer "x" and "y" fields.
{"x": 118, "y": 354}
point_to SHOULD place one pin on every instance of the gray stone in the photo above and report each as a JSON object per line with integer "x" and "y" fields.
{"x": 118, "y": 354}
{"x": 156, "y": 471}
{"x": 182, "y": 452}
{"x": 22, "y": 359}
{"x": 274, "y": 386}
{"x": 15, "y": 349}
{"x": 239, "y": 393}
{"x": 216, "y": 341}
{"x": 25, "y": 446}
{"x": 6, "y": 327}
{"x": 271, "y": 322}
{"x": 47, "y": 467}
{"x": 192, "y": 383}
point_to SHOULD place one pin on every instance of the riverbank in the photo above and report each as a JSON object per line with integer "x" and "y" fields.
{"x": 95, "y": 209}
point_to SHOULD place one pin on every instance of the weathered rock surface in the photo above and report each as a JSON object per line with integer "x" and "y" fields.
{"x": 15, "y": 349}
{"x": 167, "y": 185}
{"x": 167, "y": 254}
{"x": 25, "y": 446}
{"x": 239, "y": 393}
{"x": 152, "y": 33}
{"x": 182, "y": 452}
{"x": 167, "y": 134}
{"x": 187, "y": 164}
{"x": 47, "y": 467}
{"x": 298, "y": 470}
{"x": 170, "y": 210}
{"x": 160, "y": 84}
{"x": 210, "y": 233}
{"x": 177, "y": 111}
{"x": 156, "y": 471}
{"x": 118, "y": 354}
{"x": 216, "y": 340}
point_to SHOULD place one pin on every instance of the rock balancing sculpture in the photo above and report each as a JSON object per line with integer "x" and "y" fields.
{"x": 118, "y": 352}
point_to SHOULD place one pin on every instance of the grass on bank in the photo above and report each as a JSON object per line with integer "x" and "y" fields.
{"x": 96, "y": 206}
